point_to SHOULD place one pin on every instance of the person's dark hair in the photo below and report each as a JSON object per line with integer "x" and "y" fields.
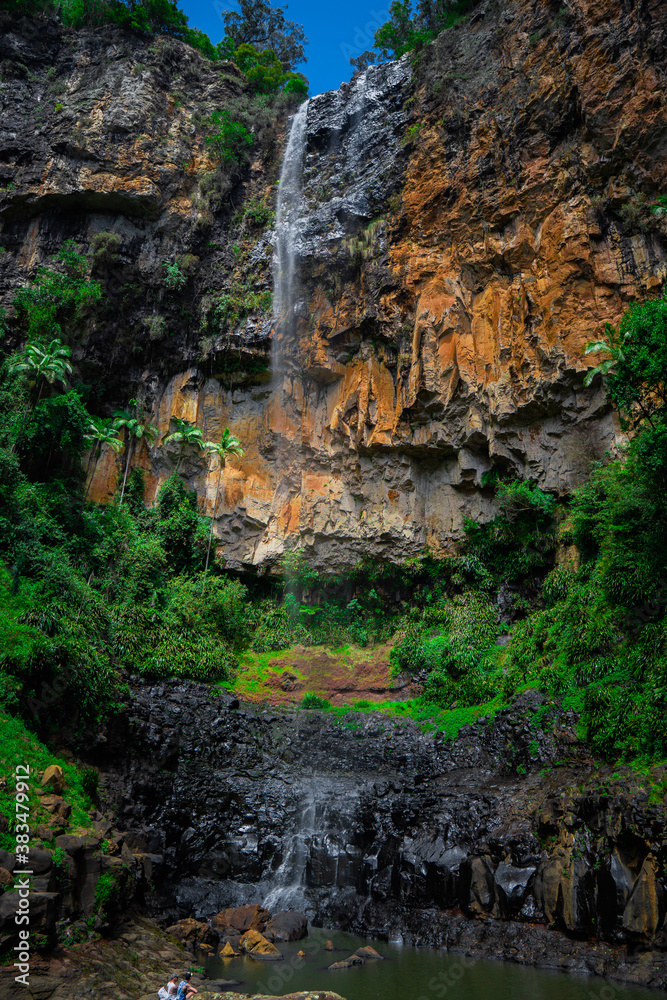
{"x": 188, "y": 975}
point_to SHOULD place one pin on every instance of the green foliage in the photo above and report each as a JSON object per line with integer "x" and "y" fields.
{"x": 521, "y": 539}
{"x": 59, "y": 294}
{"x": 174, "y": 278}
{"x": 105, "y": 250}
{"x": 264, "y": 72}
{"x": 19, "y": 745}
{"x": 228, "y": 309}
{"x": 453, "y": 641}
{"x": 90, "y": 781}
{"x": 636, "y": 365}
{"x": 56, "y": 427}
{"x": 179, "y": 527}
{"x": 314, "y": 701}
{"x": 262, "y": 26}
{"x": 231, "y": 139}
{"x": 409, "y": 30}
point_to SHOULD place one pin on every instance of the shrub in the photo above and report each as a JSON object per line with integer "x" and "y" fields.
{"x": 313, "y": 701}
{"x": 231, "y": 140}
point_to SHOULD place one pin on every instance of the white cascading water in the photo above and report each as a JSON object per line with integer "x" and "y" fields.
{"x": 287, "y": 892}
{"x": 288, "y": 219}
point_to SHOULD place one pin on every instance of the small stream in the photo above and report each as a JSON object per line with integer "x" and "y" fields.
{"x": 408, "y": 974}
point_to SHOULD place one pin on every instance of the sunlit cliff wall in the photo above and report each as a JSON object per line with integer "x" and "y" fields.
{"x": 470, "y": 221}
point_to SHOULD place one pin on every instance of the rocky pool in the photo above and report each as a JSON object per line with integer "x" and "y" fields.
{"x": 408, "y": 973}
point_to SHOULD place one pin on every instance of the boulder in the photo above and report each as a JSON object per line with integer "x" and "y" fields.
{"x": 54, "y": 778}
{"x": 56, "y": 806}
{"x": 39, "y": 862}
{"x": 227, "y": 951}
{"x": 347, "y": 963}
{"x": 287, "y": 926}
{"x": 7, "y": 861}
{"x": 187, "y": 930}
{"x": 329, "y": 946}
{"x": 6, "y": 878}
{"x": 252, "y": 917}
{"x": 367, "y": 952}
{"x": 256, "y": 945}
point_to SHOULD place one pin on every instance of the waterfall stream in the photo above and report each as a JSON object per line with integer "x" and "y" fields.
{"x": 288, "y": 219}
{"x": 287, "y": 892}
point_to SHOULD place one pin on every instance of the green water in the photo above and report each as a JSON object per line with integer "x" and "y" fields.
{"x": 409, "y": 974}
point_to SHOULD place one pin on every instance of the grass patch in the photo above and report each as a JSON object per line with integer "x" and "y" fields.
{"x": 19, "y": 746}
{"x": 431, "y": 718}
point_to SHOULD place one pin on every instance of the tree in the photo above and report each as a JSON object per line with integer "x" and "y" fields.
{"x": 102, "y": 432}
{"x": 41, "y": 363}
{"x": 407, "y": 30}
{"x": 257, "y": 23}
{"x": 185, "y": 436}
{"x": 133, "y": 430}
{"x": 362, "y": 62}
{"x": 229, "y": 445}
{"x": 635, "y": 365}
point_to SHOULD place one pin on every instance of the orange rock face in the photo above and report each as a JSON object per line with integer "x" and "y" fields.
{"x": 512, "y": 222}
{"x": 467, "y": 226}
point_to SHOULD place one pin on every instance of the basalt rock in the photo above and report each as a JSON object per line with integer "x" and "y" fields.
{"x": 287, "y": 926}
{"x": 387, "y": 831}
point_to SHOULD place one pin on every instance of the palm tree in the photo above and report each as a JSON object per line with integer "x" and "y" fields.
{"x": 101, "y": 431}
{"x": 134, "y": 430}
{"x": 230, "y": 445}
{"x": 185, "y": 436}
{"x": 41, "y": 363}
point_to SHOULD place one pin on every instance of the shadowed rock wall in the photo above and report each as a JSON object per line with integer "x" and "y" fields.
{"x": 507, "y": 842}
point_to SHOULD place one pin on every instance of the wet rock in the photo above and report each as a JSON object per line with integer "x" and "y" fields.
{"x": 242, "y": 918}
{"x": 367, "y": 952}
{"x": 188, "y": 931}
{"x": 347, "y": 963}
{"x": 256, "y": 945}
{"x": 287, "y": 926}
{"x": 226, "y": 950}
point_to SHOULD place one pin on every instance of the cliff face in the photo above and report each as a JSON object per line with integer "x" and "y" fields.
{"x": 466, "y": 225}
{"x": 507, "y": 842}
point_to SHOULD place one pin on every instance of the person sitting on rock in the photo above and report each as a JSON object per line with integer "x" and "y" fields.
{"x": 172, "y": 986}
{"x": 185, "y": 987}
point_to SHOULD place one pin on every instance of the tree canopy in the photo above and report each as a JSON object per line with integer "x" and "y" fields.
{"x": 258, "y": 23}
{"x": 410, "y": 28}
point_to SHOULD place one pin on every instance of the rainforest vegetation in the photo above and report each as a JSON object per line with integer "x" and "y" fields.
{"x": 575, "y": 590}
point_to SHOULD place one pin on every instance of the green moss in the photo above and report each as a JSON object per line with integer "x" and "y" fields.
{"x": 18, "y": 745}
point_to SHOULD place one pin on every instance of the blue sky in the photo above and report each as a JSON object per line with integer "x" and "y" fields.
{"x": 335, "y": 33}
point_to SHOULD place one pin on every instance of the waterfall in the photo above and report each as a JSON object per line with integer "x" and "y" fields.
{"x": 288, "y": 882}
{"x": 288, "y": 219}
{"x": 282, "y": 418}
